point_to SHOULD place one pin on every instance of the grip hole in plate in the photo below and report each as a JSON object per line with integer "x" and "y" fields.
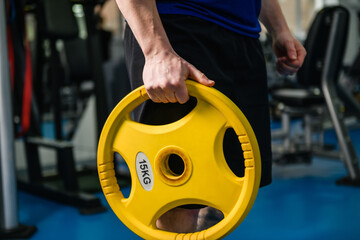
{"x": 162, "y": 113}
{"x": 233, "y": 153}
{"x": 207, "y": 217}
{"x": 123, "y": 175}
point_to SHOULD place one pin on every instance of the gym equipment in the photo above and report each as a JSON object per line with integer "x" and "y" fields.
{"x": 9, "y": 225}
{"x": 67, "y": 184}
{"x": 206, "y": 178}
{"x": 325, "y": 45}
{"x": 349, "y": 88}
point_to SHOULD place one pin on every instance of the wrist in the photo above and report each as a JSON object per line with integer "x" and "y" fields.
{"x": 277, "y": 31}
{"x": 158, "y": 51}
{"x": 273, "y": 19}
{"x": 282, "y": 36}
{"x": 154, "y": 43}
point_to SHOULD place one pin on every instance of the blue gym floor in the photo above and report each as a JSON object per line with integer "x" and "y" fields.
{"x": 303, "y": 202}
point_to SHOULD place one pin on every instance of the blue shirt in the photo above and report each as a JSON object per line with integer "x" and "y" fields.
{"x": 240, "y": 16}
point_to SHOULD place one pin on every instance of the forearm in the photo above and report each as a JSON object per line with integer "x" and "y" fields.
{"x": 289, "y": 51}
{"x": 144, "y": 21}
{"x": 164, "y": 72}
{"x": 272, "y": 17}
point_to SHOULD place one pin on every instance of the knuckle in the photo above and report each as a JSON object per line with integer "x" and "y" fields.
{"x": 149, "y": 90}
{"x": 163, "y": 88}
{"x": 154, "y": 88}
{"x": 176, "y": 83}
{"x": 149, "y": 87}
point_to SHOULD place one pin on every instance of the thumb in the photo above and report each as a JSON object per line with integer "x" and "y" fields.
{"x": 200, "y": 77}
{"x": 291, "y": 51}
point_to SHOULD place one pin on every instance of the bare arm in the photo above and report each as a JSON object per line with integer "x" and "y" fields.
{"x": 164, "y": 72}
{"x": 289, "y": 51}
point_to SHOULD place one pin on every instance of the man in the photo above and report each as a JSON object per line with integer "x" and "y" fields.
{"x": 208, "y": 41}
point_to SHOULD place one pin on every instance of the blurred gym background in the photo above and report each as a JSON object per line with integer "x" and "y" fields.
{"x": 63, "y": 71}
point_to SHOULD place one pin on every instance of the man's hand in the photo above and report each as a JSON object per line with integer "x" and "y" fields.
{"x": 290, "y": 53}
{"x": 164, "y": 77}
{"x": 164, "y": 72}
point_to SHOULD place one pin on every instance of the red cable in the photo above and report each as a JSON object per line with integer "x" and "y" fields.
{"x": 11, "y": 57}
{"x": 26, "y": 105}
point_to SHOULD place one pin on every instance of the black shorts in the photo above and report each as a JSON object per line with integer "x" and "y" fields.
{"x": 236, "y": 64}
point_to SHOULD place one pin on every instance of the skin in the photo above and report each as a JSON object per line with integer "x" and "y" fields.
{"x": 289, "y": 51}
{"x": 165, "y": 71}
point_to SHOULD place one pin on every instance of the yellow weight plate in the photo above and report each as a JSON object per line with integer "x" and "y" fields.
{"x": 197, "y": 138}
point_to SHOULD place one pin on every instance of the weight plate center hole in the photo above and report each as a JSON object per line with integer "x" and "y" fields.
{"x": 174, "y": 166}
